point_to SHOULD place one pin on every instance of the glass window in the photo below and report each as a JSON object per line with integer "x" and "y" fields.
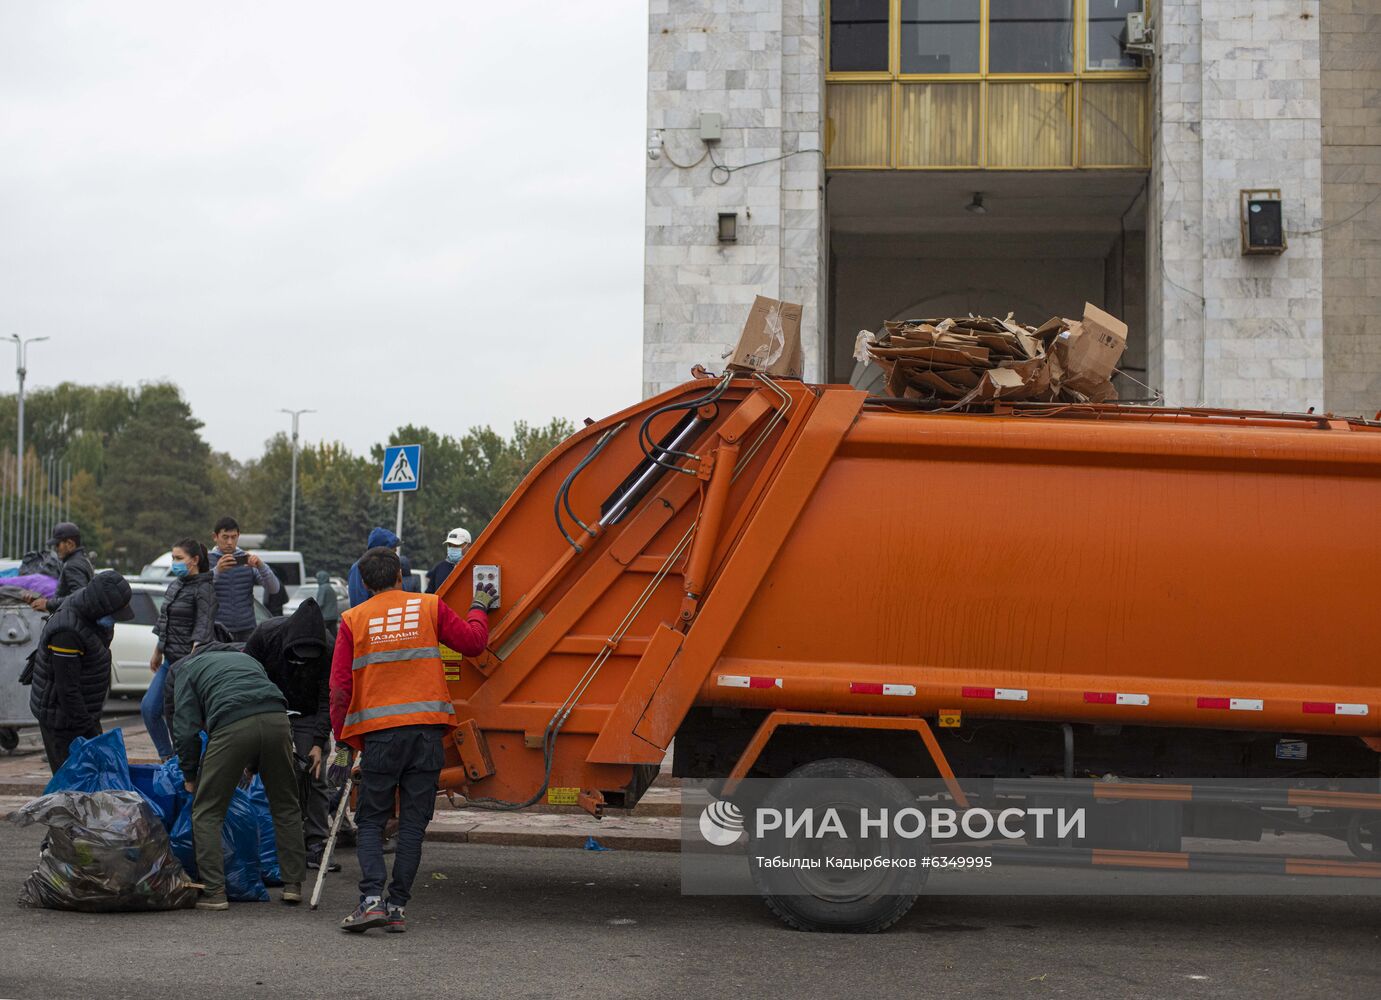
{"x": 940, "y": 36}
{"x": 1031, "y": 36}
{"x": 1107, "y": 34}
{"x": 858, "y": 36}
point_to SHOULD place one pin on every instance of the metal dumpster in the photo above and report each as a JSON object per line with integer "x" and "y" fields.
{"x": 20, "y": 627}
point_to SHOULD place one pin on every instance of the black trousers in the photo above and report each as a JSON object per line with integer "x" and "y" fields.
{"x": 315, "y": 816}
{"x": 404, "y": 763}
{"x": 57, "y": 743}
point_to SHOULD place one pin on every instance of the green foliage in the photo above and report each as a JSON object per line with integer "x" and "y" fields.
{"x": 144, "y": 478}
{"x": 464, "y": 480}
{"x": 338, "y": 501}
{"x": 74, "y": 423}
{"x": 158, "y": 478}
{"x": 88, "y": 512}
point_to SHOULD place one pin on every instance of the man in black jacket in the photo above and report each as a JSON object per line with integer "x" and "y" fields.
{"x": 296, "y": 654}
{"x": 76, "y": 567}
{"x": 71, "y": 676}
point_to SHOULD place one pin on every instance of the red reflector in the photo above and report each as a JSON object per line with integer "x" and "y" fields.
{"x": 979, "y": 692}
{"x": 1320, "y": 708}
{"x": 1100, "y": 697}
{"x": 1215, "y": 702}
{"x": 862, "y": 688}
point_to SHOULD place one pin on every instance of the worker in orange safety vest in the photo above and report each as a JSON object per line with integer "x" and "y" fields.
{"x": 389, "y": 698}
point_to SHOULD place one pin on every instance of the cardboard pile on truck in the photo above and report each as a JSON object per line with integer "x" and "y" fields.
{"x": 981, "y": 358}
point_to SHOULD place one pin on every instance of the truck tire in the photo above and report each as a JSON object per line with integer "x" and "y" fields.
{"x": 849, "y": 902}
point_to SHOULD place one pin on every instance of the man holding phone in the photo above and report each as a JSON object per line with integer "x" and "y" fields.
{"x": 236, "y": 572}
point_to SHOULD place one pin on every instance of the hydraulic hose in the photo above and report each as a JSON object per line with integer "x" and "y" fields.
{"x": 563, "y": 494}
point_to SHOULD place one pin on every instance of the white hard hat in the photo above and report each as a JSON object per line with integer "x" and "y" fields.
{"x": 458, "y": 536}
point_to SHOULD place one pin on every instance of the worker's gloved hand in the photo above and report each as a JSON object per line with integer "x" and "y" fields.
{"x": 340, "y": 767}
{"x": 486, "y": 596}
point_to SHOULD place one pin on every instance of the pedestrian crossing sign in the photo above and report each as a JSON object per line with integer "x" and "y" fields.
{"x": 402, "y": 468}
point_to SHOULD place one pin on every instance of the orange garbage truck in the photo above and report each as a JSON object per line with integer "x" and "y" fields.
{"x": 764, "y": 574}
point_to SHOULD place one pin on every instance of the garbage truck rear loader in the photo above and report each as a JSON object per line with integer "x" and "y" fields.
{"x": 769, "y": 574}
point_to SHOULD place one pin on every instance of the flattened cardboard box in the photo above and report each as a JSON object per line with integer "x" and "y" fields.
{"x": 771, "y": 339}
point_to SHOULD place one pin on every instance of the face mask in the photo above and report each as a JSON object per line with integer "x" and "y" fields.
{"x": 107, "y": 622}
{"x": 453, "y": 553}
{"x": 178, "y": 570}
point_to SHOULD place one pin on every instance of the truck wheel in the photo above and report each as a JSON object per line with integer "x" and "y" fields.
{"x": 9, "y": 739}
{"x": 847, "y": 900}
{"x": 1364, "y": 837}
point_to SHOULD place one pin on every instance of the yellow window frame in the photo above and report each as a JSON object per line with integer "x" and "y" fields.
{"x": 1076, "y": 80}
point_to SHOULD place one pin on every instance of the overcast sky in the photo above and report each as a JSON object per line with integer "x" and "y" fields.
{"x": 291, "y": 204}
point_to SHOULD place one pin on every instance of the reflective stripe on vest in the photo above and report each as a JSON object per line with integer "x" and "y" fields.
{"x": 398, "y": 676}
{"x": 408, "y": 708}
{"x": 396, "y": 656}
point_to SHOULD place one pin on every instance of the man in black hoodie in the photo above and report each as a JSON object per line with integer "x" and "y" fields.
{"x": 296, "y": 654}
{"x": 71, "y": 675}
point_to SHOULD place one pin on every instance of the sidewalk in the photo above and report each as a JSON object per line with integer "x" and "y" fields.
{"x": 653, "y": 826}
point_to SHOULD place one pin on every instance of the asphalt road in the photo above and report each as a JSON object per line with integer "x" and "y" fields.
{"x": 500, "y": 922}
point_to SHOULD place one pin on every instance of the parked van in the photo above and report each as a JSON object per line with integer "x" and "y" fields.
{"x": 287, "y": 566}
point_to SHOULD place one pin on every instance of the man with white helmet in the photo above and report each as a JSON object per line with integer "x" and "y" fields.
{"x": 457, "y": 543}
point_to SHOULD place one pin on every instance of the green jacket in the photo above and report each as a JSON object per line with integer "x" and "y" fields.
{"x": 217, "y": 685}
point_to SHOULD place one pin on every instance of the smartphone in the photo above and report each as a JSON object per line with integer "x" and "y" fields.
{"x": 242, "y": 559}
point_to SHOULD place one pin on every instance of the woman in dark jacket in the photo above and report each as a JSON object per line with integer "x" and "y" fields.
{"x": 186, "y": 620}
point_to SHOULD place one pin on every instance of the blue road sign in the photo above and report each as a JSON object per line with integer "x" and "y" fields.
{"x": 402, "y": 468}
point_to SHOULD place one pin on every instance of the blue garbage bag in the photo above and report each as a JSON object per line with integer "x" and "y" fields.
{"x": 244, "y": 878}
{"x": 180, "y": 818}
{"x": 268, "y": 842}
{"x": 160, "y": 787}
{"x": 244, "y": 882}
{"x": 99, "y": 764}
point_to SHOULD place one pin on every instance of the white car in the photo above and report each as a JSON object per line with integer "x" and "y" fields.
{"x": 287, "y": 566}
{"x": 134, "y": 641}
{"x": 296, "y": 595}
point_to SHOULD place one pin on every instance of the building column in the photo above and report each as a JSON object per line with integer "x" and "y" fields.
{"x": 1236, "y": 97}
{"x": 758, "y": 64}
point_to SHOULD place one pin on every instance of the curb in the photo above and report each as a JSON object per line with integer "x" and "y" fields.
{"x": 555, "y": 839}
{"x": 26, "y": 788}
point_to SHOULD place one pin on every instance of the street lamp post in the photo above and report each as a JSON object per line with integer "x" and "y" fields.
{"x": 292, "y": 503}
{"x": 21, "y": 348}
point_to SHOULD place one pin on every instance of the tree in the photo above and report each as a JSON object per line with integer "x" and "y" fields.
{"x": 71, "y": 422}
{"x": 158, "y": 478}
{"x": 338, "y": 501}
{"x": 88, "y": 513}
{"x": 466, "y": 481}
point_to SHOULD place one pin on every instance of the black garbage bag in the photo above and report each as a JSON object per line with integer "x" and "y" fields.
{"x": 43, "y": 562}
{"x": 106, "y": 852}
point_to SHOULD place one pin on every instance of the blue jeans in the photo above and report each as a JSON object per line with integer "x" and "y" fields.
{"x": 151, "y": 708}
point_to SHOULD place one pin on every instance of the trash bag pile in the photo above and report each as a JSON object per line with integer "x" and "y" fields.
{"x": 102, "y": 765}
{"x": 106, "y": 852}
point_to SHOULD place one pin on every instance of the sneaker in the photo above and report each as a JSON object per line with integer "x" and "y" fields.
{"x": 370, "y": 913}
{"x": 314, "y": 863}
{"x": 292, "y": 893}
{"x": 212, "y": 901}
{"x": 396, "y": 923}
